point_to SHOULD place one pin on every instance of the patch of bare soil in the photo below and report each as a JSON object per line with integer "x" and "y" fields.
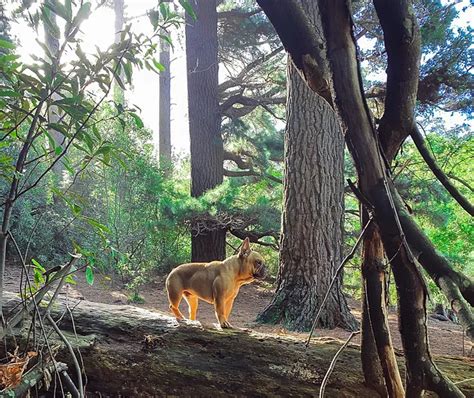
{"x": 446, "y": 338}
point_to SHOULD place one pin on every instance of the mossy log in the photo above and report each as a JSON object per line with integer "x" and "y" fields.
{"x": 129, "y": 351}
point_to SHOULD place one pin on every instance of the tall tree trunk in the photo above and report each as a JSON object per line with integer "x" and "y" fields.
{"x": 165, "y": 108}
{"x": 207, "y": 150}
{"x": 52, "y": 43}
{"x": 312, "y": 216}
{"x": 118, "y": 25}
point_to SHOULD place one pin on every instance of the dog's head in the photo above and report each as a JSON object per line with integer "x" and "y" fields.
{"x": 252, "y": 263}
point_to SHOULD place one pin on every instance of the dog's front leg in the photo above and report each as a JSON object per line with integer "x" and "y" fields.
{"x": 219, "y": 292}
{"x": 219, "y": 305}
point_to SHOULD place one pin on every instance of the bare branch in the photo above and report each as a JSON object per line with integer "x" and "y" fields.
{"x": 238, "y": 80}
{"x": 333, "y": 363}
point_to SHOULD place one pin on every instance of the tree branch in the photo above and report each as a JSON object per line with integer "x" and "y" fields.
{"x": 303, "y": 42}
{"x": 250, "y": 173}
{"x": 402, "y": 42}
{"x": 238, "y": 80}
{"x": 440, "y": 175}
{"x": 250, "y": 101}
{"x": 255, "y": 237}
{"x": 237, "y": 13}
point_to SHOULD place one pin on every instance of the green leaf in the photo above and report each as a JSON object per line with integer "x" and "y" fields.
{"x": 89, "y": 275}
{"x": 58, "y": 127}
{"x": 38, "y": 265}
{"x": 9, "y": 93}
{"x": 7, "y": 44}
{"x": 164, "y": 10}
{"x": 188, "y": 8}
{"x": 50, "y": 24}
{"x": 97, "y": 225}
{"x": 82, "y": 14}
{"x": 158, "y": 65}
{"x": 58, "y": 8}
{"x": 127, "y": 67}
{"x": 137, "y": 119}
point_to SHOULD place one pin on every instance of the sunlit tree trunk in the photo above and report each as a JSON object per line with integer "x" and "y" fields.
{"x": 118, "y": 26}
{"x": 52, "y": 43}
{"x": 207, "y": 150}
{"x": 311, "y": 240}
{"x": 164, "y": 145}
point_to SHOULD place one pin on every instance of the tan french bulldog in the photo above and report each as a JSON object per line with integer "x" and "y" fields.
{"x": 217, "y": 282}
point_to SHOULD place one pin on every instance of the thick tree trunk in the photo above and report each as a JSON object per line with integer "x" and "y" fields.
{"x": 128, "y": 351}
{"x": 207, "y": 150}
{"x": 164, "y": 145}
{"x": 311, "y": 240}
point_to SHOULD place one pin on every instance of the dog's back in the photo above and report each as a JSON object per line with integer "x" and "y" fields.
{"x": 192, "y": 278}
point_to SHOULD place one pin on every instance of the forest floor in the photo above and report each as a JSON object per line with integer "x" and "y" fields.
{"x": 446, "y": 338}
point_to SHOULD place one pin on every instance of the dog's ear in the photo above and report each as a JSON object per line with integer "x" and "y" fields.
{"x": 245, "y": 249}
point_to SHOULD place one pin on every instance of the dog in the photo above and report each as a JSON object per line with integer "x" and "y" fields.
{"x": 217, "y": 282}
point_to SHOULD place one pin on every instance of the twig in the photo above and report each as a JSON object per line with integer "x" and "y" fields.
{"x": 333, "y": 364}
{"x": 338, "y": 270}
{"x": 71, "y": 351}
{"x": 40, "y": 294}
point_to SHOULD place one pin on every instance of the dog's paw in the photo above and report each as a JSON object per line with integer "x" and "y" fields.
{"x": 226, "y": 325}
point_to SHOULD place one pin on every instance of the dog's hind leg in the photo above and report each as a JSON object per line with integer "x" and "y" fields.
{"x": 174, "y": 297}
{"x": 192, "y": 304}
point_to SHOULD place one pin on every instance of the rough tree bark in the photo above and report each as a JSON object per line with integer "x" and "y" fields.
{"x": 156, "y": 356}
{"x": 374, "y": 182}
{"x": 311, "y": 239}
{"x": 207, "y": 150}
{"x": 164, "y": 146}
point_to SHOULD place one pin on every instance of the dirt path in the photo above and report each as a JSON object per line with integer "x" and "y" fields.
{"x": 446, "y": 338}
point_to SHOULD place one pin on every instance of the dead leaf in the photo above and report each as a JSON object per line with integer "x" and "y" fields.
{"x": 11, "y": 373}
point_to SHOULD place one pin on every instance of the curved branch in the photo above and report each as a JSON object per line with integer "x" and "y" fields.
{"x": 303, "y": 42}
{"x": 238, "y": 80}
{"x": 403, "y": 42}
{"x": 238, "y": 160}
{"x": 251, "y": 173}
{"x": 433, "y": 262}
{"x": 440, "y": 175}
{"x": 236, "y": 13}
{"x": 255, "y": 237}
{"x": 461, "y": 181}
{"x": 250, "y": 101}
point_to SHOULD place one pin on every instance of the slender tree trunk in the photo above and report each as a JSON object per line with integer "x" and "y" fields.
{"x": 371, "y": 368}
{"x": 207, "y": 150}
{"x": 165, "y": 108}
{"x": 374, "y": 308}
{"x": 118, "y": 25}
{"x": 52, "y": 43}
{"x": 312, "y": 216}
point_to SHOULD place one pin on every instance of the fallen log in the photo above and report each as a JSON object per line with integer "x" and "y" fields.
{"x": 130, "y": 351}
